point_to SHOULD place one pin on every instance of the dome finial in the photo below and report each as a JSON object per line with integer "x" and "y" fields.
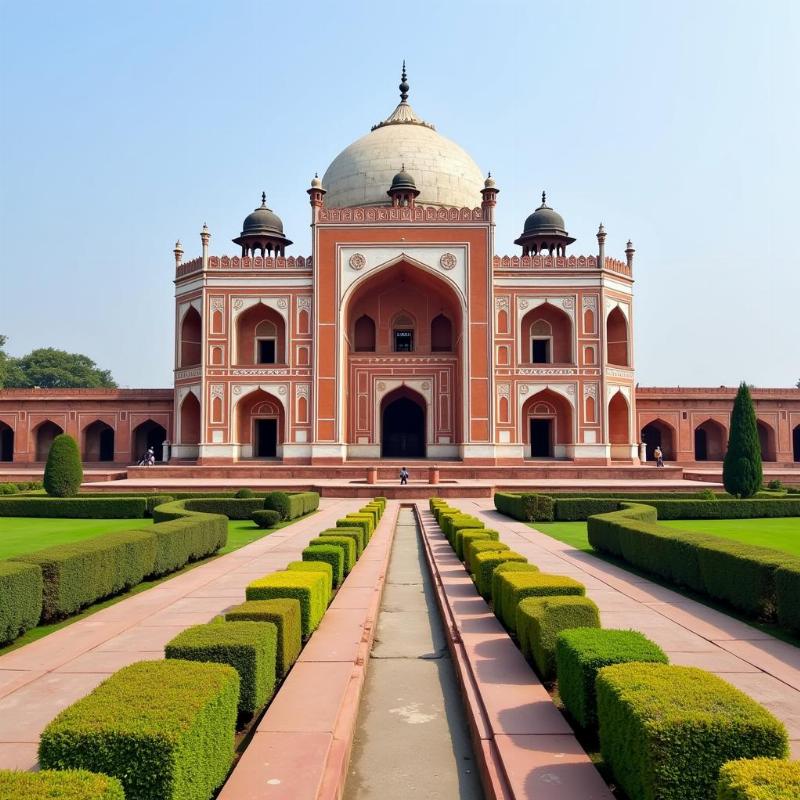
{"x": 263, "y": 199}
{"x": 403, "y": 84}
{"x": 544, "y": 197}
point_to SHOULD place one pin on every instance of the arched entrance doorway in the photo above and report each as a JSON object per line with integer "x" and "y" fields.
{"x": 190, "y": 420}
{"x": 766, "y": 439}
{"x": 659, "y": 434}
{"x": 710, "y": 438}
{"x": 6, "y": 442}
{"x": 44, "y": 436}
{"x": 547, "y": 425}
{"x": 260, "y": 425}
{"x": 796, "y": 443}
{"x": 148, "y": 434}
{"x": 403, "y": 424}
{"x": 98, "y": 442}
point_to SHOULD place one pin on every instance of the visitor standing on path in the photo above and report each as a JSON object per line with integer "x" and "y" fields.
{"x": 659, "y": 456}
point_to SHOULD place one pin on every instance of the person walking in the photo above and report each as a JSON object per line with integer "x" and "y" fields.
{"x": 403, "y": 476}
{"x": 658, "y": 454}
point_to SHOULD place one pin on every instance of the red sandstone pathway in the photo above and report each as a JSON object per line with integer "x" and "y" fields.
{"x": 39, "y": 680}
{"x": 691, "y": 633}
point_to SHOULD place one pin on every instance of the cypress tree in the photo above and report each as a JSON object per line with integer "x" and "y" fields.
{"x": 741, "y": 470}
{"x": 63, "y": 473}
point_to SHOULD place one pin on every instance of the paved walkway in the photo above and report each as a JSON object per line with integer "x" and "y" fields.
{"x": 691, "y": 633}
{"x": 39, "y": 680}
{"x": 411, "y": 739}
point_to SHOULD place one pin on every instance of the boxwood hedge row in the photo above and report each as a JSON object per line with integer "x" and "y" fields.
{"x": 758, "y": 581}
{"x": 20, "y": 599}
{"x": 71, "y": 784}
{"x": 165, "y": 729}
{"x": 759, "y": 779}
{"x": 665, "y": 731}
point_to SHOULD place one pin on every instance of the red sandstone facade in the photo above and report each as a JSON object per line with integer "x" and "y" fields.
{"x": 403, "y": 335}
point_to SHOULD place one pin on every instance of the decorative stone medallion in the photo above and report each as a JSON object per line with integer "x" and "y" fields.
{"x": 381, "y": 386}
{"x": 357, "y": 261}
{"x": 447, "y": 261}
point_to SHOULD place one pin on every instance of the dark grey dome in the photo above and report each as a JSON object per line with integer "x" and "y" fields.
{"x": 262, "y": 221}
{"x": 544, "y": 221}
{"x": 402, "y": 181}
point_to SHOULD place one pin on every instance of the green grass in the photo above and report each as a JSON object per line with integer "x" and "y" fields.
{"x": 781, "y": 533}
{"x": 26, "y": 534}
{"x": 240, "y": 533}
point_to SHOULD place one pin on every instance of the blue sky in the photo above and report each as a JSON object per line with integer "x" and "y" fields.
{"x": 124, "y": 127}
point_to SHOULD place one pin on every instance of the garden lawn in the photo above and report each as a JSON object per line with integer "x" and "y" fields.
{"x": 26, "y": 534}
{"x": 780, "y": 533}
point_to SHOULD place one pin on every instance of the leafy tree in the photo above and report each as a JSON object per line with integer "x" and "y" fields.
{"x": 63, "y": 472}
{"x": 49, "y": 368}
{"x": 741, "y": 470}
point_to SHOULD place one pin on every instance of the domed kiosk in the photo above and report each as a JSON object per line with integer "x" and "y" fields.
{"x": 444, "y": 173}
{"x": 262, "y": 232}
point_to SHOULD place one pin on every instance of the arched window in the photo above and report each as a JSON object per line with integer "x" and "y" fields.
{"x": 591, "y": 412}
{"x": 441, "y": 334}
{"x": 261, "y": 336}
{"x": 588, "y": 321}
{"x": 364, "y": 335}
{"x": 403, "y": 334}
{"x": 541, "y": 342}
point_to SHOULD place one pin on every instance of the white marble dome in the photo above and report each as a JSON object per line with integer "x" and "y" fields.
{"x": 362, "y": 173}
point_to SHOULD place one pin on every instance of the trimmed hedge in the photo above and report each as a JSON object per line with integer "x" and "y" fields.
{"x": 70, "y": 784}
{"x": 741, "y": 575}
{"x": 185, "y": 536}
{"x": 232, "y": 508}
{"x": 63, "y": 472}
{"x": 525, "y": 507}
{"x": 759, "y": 779}
{"x": 482, "y": 546}
{"x": 363, "y": 522}
{"x": 450, "y": 523}
{"x": 516, "y": 586}
{"x": 266, "y": 518}
{"x": 307, "y": 587}
{"x": 75, "y": 507}
{"x": 582, "y": 652}
{"x": 665, "y": 731}
{"x": 318, "y": 567}
{"x": 332, "y": 554}
{"x": 581, "y": 508}
{"x": 164, "y": 728}
{"x": 81, "y": 573}
{"x": 486, "y": 562}
{"x": 356, "y": 534}
{"x": 726, "y": 509}
{"x": 20, "y": 598}
{"x": 539, "y": 621}
{"x": 291, "y": 506}
{"x": 285, "y": 615}
{"x": 249, "y": 647}
{"x": 500, "y": 569}
{"x": 345, "y": 544}
{"x": 466, "y": 535}
{"x": 787, "y": 596}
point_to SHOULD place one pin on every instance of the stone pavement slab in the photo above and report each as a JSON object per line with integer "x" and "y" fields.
{"x": 40, "y": 679}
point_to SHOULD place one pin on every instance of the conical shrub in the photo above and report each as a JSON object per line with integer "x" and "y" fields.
{"x": 741, "y": 470}
{"x": 63, "y": 473}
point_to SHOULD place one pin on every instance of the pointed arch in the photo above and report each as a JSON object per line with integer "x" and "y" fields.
{"x": 98, "y": 441}
{"x": 145, "y": 435}
{"x": 43, "y": 434}
{"x": 710, "y": 441}
{"x": 659, "y": 433}
{"x": 547, "y": 336}
{"x": 547, "y": 421}
{"x": 766, "y": 439}
{"x": 190, "y": 343}
{"x": 441, "y": 334}
{"x": 364, "y": 334}
{"x": 190, "y": 420}
{"x": 403, "y": 418}
{"x": 260, "y": 425}
{"x": 260, "y": 336}
{"x": 6, "y": 442}
{"x": 617, "y": 339}
{"x": 619, "y": 426}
